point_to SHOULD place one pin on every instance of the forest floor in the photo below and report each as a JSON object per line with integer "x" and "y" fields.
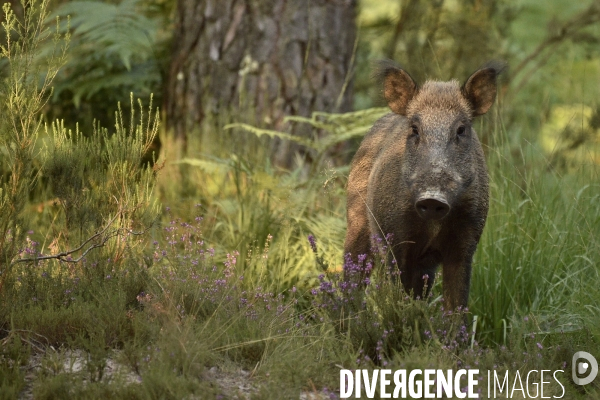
{"x": 232, "y": 381}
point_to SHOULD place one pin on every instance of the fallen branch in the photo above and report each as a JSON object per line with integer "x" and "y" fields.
{"x": 102, "y": 235}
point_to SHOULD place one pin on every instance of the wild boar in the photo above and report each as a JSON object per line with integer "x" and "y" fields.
{"x": 420, "y": 179}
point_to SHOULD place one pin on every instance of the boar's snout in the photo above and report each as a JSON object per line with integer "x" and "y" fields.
{"x": 432, "y": 207}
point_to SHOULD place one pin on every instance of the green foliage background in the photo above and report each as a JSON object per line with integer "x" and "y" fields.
{"x": 229, "y": 216}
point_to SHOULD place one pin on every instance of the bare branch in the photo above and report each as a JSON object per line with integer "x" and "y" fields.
{"x": 37, "y": 344}
{"x": 103, "y": 235}
{"x": 568, "y": 30}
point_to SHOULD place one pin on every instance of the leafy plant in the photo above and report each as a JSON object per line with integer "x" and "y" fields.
{"x": 23, "y": 98}
{"x": 116, "y": 49}
{"x": 104, "y": 189}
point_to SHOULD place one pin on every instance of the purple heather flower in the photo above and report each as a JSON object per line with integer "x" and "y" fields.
{"x": 313, "y": 243}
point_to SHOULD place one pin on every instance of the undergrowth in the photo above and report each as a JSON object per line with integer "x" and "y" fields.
{"x": 104, "y": 294}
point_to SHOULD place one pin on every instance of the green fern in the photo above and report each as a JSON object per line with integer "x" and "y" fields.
{"x": 338, "y": 127}
{"x": 113, "y": 47}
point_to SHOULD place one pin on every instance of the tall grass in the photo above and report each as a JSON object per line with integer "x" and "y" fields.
{"x": 535, "y": 256}
{"x": 541, "y": 237}
{"x": 534, "y": 285}
{"x": 230, "y": 281}
{"x": 246, "y": 200}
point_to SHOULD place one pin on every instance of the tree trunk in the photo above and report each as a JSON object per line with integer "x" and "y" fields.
{"x": 257, "y": 61}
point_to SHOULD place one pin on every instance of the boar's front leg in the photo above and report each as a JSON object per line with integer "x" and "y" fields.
{"x": 457, "y": 280}
{"x": 418, "y": 273}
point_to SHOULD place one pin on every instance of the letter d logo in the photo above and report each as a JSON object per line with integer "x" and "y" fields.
{"x": 581, "y": 367}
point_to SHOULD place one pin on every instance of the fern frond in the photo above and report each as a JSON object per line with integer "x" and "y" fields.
{"x": 271, "y": 133}
{"x": 205, "y": 165}
{"x": 114, "y": 28}
{"x": 113, "y": 48}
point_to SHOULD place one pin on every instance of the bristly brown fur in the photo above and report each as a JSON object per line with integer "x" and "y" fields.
{"x": 439, "y": 95}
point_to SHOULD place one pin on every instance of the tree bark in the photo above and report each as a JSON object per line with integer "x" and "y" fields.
{"x": 257, "y": 61}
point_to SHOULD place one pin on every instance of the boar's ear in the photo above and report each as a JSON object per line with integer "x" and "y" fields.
{"x": 480, "y": 88}
{"x": 398, "y": 87}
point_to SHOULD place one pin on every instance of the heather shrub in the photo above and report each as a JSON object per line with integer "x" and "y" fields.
{"x": 99, "y": 193}
{"x": 369, "y": 306}
{"x": 240, "y": 316}
{"x": 22, "y": 98}
{"x": 70, "y": 266}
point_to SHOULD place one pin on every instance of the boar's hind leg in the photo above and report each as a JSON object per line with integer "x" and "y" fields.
{"x": 358, "y": 236}
{"x": 357, "y": 244}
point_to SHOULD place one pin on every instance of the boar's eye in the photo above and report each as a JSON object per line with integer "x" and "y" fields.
{"x": 461, "y": 130}
{"x": 414, "y": 130}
